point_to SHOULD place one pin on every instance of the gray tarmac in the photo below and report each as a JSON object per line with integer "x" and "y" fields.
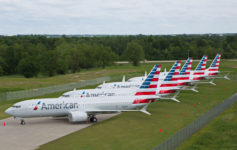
{"x": 38, "y": 131}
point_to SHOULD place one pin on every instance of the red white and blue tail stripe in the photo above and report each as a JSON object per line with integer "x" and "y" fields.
{"x": 149, "y": 86}
{"x": 202, "y": 64}
{"x": 186, "y": 69}
{"x": 214, "y": 67}
{"x": 200, "y": 69}
{"x": 185, "y": 72}
{"x": 171, "y": 80}
{"x": 173, "y": 74}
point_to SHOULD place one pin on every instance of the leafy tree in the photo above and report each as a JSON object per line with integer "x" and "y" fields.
{"x": 58, "y": 55}
{"x": 75, "y": 60}
{"x": 1, "y": 71}
{"x": 28, "y": 67}
{"x": 62, "y": 66}
{"x": 3, "y": 67}
{"x": 106, "y": 57}
{"x": 134, "y": 52}
{"x": 48, "y": 63}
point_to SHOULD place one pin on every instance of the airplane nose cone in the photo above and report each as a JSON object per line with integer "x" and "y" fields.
{"x": 8, "y": 111}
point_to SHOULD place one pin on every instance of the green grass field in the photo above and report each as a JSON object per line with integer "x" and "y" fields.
{"x": 135, "y": 130}
{"x": 219, "y": 134}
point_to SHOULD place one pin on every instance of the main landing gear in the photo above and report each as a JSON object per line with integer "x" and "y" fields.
{"x": 93, "y": 119}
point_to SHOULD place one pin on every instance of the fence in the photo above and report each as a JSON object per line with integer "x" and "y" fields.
{"x": 48, "y": 90}
{"x": 187, "y": 131}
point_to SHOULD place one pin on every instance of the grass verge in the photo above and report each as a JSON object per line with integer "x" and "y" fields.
{"x": 220, "y": 133}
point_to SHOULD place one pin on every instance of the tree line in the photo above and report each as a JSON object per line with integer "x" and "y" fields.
{"x": 35, "y": 54}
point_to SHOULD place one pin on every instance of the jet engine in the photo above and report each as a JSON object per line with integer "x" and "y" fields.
{"x": 77, "y": 116}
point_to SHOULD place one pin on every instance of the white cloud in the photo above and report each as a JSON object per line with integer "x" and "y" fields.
{"x": 117, "y": 17}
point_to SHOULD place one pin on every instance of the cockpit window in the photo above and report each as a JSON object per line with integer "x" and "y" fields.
{"x": 99, "y": 87}
{"x": 16, "y": 106}
{"x": 65, "y": 95}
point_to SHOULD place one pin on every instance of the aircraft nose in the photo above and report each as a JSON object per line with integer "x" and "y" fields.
{"x": 8, "y": 111}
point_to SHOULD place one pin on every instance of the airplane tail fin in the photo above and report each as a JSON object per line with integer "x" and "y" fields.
{"x": 186, "y": 69}
{"x": 214, "y": 67}
{"x": 202, "y": 64}
{"x": 200, "y": 69}
{"x": 149, "y": 86}
{"x": 174, "y": 72}
{"x": 184, "y": 74}
{"x": 170, "y": 81}
{"x": 148, "y": 89}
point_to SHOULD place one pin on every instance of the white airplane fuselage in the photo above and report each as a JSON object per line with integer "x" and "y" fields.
{"x": 64, "y": 106}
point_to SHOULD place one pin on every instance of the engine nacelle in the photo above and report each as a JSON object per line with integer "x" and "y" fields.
{"x": 77, "y": 116}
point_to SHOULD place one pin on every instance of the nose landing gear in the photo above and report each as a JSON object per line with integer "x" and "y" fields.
{"x": 23, "y": 122}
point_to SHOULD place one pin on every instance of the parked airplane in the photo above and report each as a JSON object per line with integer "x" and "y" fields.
{"x": 213, "y": 70}
{"x": 121, "y": 90}
{"x": 181, "y": 78}
{"x": 82, "y": 109}
{"x": 135, "y": 79}
{"x": 164, "y": 88}
{"x": 137, "y": 83}
{"x": 197, "y": 74}
{"x": 209, "y": 73}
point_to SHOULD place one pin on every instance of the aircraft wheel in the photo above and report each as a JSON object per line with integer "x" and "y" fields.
{"x": 23, "y": 122}
{"x": 93, "y": 119}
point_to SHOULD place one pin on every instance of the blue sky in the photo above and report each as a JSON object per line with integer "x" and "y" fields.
{"x": 117, "y": 16}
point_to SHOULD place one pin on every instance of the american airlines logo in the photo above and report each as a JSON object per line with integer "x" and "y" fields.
{"x": 98, "y": 94}
{"x": 36, "y": 106}
{"x": 59, "y": 106}
{"x": 127, "y": 86}
{"x": 83, "y": 93}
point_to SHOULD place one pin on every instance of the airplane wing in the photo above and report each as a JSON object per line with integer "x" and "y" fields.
{"x": 143, "y": 109}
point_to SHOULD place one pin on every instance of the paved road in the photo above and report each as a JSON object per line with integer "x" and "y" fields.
{"x": 37, "y": 131}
